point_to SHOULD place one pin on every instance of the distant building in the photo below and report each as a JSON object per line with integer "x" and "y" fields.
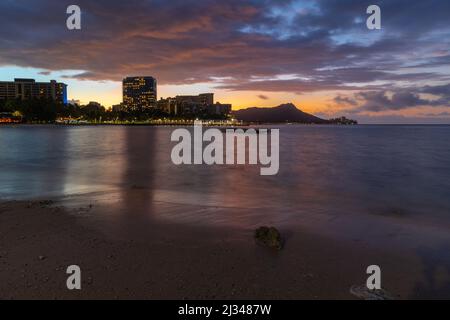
{"x": 219, "y": 108}
{"x": 203, "y": 99}
{"x": 74, "y": 102}
{"x": 27, "y": 89}
{"x": 139, "y": 93}
{"x": 343, "y": 121}
{"x": 168, "y": 105}
{"x": 119, "y": 108}
{"x": 192, "y": 105}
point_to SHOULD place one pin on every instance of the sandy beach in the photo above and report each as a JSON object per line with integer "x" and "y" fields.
{"x": 154, "y": 260}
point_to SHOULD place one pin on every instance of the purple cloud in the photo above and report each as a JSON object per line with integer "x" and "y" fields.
{"x": 251, "y": 43}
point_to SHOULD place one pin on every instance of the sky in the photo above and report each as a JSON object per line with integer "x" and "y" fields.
{"x": 317, "y": 54}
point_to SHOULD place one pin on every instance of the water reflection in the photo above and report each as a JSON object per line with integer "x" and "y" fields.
{"x": 326, "y": 173}
{"x": 94, "y": 160}
{"x": 32, "y": 161}
{"x": 138, "y": 176}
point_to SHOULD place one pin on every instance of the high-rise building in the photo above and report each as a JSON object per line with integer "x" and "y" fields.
{"x": 27, "y": 89}
{"x": 139, "y": 93}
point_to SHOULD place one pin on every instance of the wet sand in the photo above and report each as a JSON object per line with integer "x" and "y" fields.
{"x": 155, "y": 260}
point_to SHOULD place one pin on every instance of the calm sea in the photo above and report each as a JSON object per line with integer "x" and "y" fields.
{"x": 329, "y": 176}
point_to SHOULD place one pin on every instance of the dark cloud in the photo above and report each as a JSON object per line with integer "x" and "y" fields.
{"x": 81, "y": 76}
{"x": 395, "y": 99}
{"x": 438, "y": 114}
{"x": 252, "y": 43}
{"x": 380, "y": 101}
{"x": 341, "y": 100}
{"x": 443, "y": 91}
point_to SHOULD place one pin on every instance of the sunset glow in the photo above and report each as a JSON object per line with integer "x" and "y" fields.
{"x": 318, "y": 55}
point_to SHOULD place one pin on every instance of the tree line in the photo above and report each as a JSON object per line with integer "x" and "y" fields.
{"x": 48, "y": 110}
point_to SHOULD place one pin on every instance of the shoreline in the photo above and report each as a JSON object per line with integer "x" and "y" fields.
{"x": 150, "y": 259}
{"x": 206, "y": 123}
{"x": 237, "y": 125}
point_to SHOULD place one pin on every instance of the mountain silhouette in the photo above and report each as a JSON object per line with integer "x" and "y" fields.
{"x": 283, "y": 113}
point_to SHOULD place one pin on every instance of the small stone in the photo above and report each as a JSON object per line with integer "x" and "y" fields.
{"x": 45, "y": 203}
{"x": 42, "y": 258}
{"x": 269, "y": 237}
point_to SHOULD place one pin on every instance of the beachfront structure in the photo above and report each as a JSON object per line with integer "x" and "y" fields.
{"x": 8, "y": 118}
{"x": 28, "y": 89}
{"x": 139, "y": 93}
{"x": 191, "y": 105}
{"x": 219, "y": 109}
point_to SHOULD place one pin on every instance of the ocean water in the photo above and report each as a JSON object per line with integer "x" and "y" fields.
{"x": 330, "y": 176}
